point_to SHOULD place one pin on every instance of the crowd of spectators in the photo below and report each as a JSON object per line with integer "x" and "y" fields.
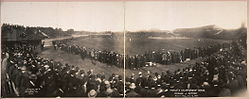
{"x": 167, "y": 57}
{"x": 137, "y": 61}
{"x": 104, "y": 56}
{"x": 28, "y": 75}
{"x": 222, "y": 74}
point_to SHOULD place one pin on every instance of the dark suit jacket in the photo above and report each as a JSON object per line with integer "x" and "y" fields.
{"x": 132, "y": 93}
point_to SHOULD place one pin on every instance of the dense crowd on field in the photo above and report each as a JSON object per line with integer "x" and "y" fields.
{"x": 137, "y": 61}
{"x": 221, "y": 73}
{"x": 104, "y": 56}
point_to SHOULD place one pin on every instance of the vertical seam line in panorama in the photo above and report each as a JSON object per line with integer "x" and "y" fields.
{"x": 124, "y": 49}
{"x": 124, "y": 46}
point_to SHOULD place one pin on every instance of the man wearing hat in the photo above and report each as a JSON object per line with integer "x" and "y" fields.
{"x": 140, "y": 80}
{"x": 109, "y": 92}
{"x": 131, "y": 92}
{"x": 92, "y": 83}
{"x": 225, "y": 91}
{"x": 4, "y": 67}
{"x": 103, "y": 86}
{"x": 132, "y": 78}
{"x": 120, "y": 85}
{"x": 92, "y": 93}
{"x": 152, "y": 92}
{"x": 24, "y": 81}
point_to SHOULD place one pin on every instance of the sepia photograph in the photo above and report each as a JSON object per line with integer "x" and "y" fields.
{"x": 124, "y": 49}
{"x": 62, "y": 49}
{"x": 185, "y": 48}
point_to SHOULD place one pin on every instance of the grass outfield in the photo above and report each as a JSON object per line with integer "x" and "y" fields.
{"x": 140, "y": 46}
{"x": 98, "y": 67}
{"x": 101, "y": 43}
{"x": 134, "y": 46}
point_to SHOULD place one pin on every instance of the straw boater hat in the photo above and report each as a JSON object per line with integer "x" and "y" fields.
{"x": 92, "y": 93}
{"x": 46, "y": 66}
{"x": 205, "y": 84}
{"x": 132, "y": 86}
{"x": 23, "y": 68}
{"x": 106, "y": 82}
{"x": 109, "y": 91}
{"x": 98, "y": 80}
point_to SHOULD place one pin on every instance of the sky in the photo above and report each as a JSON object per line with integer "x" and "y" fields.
{"x": 89, "y": 16}
{"x": 182, "y": 14}
{"x": 131, "y": 15}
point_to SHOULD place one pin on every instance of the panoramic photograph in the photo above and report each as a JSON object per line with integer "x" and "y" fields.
{"x": 124, "y": 49}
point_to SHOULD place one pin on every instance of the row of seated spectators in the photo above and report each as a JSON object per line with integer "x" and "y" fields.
{"x": 138, "y": 61}
{"x": 221, "y": 74}
{"x": 32, "y": 76}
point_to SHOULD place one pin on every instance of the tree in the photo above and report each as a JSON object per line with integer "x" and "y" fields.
{"x": 70, "y": 31}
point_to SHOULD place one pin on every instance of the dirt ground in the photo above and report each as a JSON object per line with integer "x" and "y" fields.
{"x": 116, "y": 44}
{"x": 98, "y": 67}
{"x": 76, "y": 60}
